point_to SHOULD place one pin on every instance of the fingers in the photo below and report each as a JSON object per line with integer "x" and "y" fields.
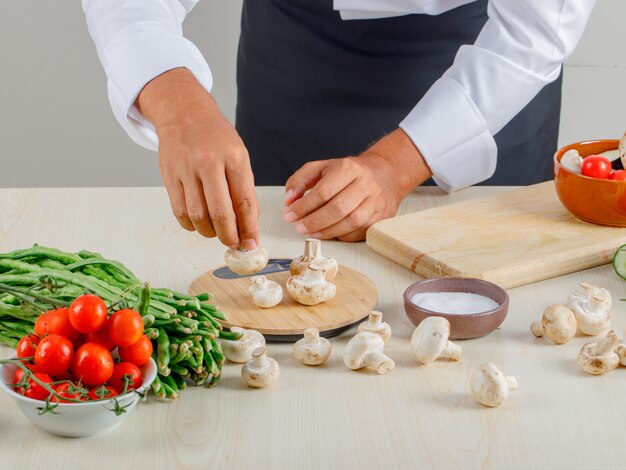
{"x": 196, "y": 207}
{"x": 220, "y": 206}
{"x": 244, "y": 202}
{"x": 353, "y": 226}
{"x": 327, "y": 187}
{"x": 176, "y": 194}
{"x": 302, "y": 180}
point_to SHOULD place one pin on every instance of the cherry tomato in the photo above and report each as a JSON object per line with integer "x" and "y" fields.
{"x": 41, "y": 325}
{"x": 54, "y": 355}
{"x": 27, "y": 346}
{"x": 102, "y": 337}
{"x": 59, "y": 323}
{"x": 138, "y": 353}
{"x": 618, "y": 175}
{"x": 596, "y": 166}
{"x": 34, "y": 390}
{"x": 101, "y": 392}
{"x": 93, "y": 364}
{"x": 87, "y": 313}
{"x": 126, "y": 369}
{"x": 19, "y": 373}
{"x": 68, "y": 390}
{"x": 125, "y": 327}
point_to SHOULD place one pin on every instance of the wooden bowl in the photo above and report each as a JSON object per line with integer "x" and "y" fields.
{"x": 598, "y": 201}
{"x": 462, "y": 326}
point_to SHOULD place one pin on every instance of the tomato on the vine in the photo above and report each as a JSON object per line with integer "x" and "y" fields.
{"x": 93, "y": 364}
{"x": 138, "y": 353}
{"x": 41, "y": 325}
{"x": 135, "y": 378}
{"x": 68, "y": 390}
{"x": 87, "y": 313}
{"x": 27, "y": 346}
{"x": 33, "y": 389}
{"x": 59, "y": 323}
{"x": 596, "y": 166}
{"x": 54, "y": 355}
{"x": 125, "y": 327}
{"x": 19, "y": 373}
{"x": 618, "y": 175}
{"x": 101, "y": 392}
{"x": 102, "y": 337}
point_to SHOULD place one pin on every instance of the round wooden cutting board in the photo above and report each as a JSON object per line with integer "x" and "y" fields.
{"x": 356, "y": 296}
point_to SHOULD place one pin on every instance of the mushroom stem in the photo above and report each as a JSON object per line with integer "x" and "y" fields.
{"x": 607, "y": 344}
{"x": 379, "y": 361}
{"x": 375, "y": 318}
{"x": 311, "y": 335}
{"x": 312, "y": 248}
{"x": 452, "y": 351}
{"x": 537, "y": 329}
{"x": 512, "y": 382}
{"x": 259, "y": 358}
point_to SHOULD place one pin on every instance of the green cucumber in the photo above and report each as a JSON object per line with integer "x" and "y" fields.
{"x": 619, "y": 261}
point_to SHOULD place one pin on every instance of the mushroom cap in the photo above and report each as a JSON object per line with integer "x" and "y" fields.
{"x": 246, "y": 262}
{"x": 359, "y": 346}
{"x": 240, "y": 350}
{"x": 265, "y": 293}
{"x": 310, "y": 287}
{"x": 598, "y": 358}
{"x": 260, "y": 371}
{"x": 489, "y": 385}
{"x": 430, "y": 338}
{"x": 559, "y": 323}
{"x": 312, "y": 350}
{"x": 592, "y": 314}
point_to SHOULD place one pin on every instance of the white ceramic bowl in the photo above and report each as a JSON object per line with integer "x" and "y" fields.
{"x": 77, "y": 419}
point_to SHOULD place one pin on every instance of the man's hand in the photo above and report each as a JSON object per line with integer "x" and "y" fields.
{"x": 347, "y": 195}
{"x": 203, "y": 162}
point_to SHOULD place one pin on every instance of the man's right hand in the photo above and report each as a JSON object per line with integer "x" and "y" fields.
{"x": 203, "y": 161}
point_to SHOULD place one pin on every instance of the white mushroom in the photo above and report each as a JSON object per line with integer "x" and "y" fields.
{"x": 430, "y": 341}
{"x": 375, "y": 324}
{"x": 572, "y": 161}
{"x": 558, "y": 323}
{"x": 260, "y": 371}
{"x": 598, "y": 358}
{"x": 312, "y": 350}
{"x": 620, "y": 350}
{"x": 584, "y": 290}
{"x": 240, "y": 350}
{"x": 592, "y": 314}
{"x": 265, "y": 293}
{"x": 366, "y": 350}
{"x": 311, "y": 287}
{"x": 241, "y": 261}
{"x": 489, "y": 385}
{"x": 313, "y": 254}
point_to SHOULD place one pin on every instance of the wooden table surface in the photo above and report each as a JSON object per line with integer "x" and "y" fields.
{"x": 325, "y": 417}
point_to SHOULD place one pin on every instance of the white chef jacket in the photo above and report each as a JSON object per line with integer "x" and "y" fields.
{"x": 520, "y": 49}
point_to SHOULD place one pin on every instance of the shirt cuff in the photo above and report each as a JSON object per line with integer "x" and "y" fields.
{"x": 452, "y": 136}
{"x": 136, "y": 55}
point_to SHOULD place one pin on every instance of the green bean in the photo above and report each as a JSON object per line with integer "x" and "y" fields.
{"x": 230, "y": 335}
{"x": 36, "y": 250}
{"x": 143, "y": 300}
{"x": 152, "y": 333}
{"x": 181, "y": 371}
{"x": 188, "y": 323}
{"x": 157, "y": 387}
{"x": 180, "y": 382}
{"x": 217, "y": 352}
{"x": 198, "y": 354}
{"x": 148, "y": 320}
{"x": 169, "y": 392}
{"x": 181, "y": 355}
{"x": 191, "y": 361}
{"x": 169, "y": 380}
{"x": 163, "y": 352}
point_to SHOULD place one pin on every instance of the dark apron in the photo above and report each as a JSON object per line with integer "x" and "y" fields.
{"x": 312, "y": 86}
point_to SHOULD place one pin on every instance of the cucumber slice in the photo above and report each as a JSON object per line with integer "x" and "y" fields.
{"x": 619, "y": 261}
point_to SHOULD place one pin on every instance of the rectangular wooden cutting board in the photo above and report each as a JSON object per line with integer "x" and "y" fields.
{"x": 511, "y": 238}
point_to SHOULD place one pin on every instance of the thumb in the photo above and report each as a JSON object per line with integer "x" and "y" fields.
{"x": 303, "y": 180}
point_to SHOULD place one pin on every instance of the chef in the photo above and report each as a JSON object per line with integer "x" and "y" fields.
{"x": 350, "y": 104}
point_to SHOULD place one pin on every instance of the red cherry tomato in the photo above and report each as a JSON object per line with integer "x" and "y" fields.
{"x": 618, "y": 175}
{"x": 19, "y": 373}
{"x": 125, "y": 327}
{"x": 34, "y": 390}
{"x": 93, "y": 364}
{"x": 102, "y": 392}
{"x": 596, "y": 166}
{"x": 54, "y": 354}
{"x": 87, "y": 313}
{"x": 41, "y": 325}
{"x": 102, "y": 337}
{"x": 138, "y": 353}
{"x": 126, "y": 369}
{"x": 59, "y": 324}
{"x": 68, "y": 390}
{"x": 27, "y": 346}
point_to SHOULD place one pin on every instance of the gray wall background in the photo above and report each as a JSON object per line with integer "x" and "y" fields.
{"x": 56, "y": 127}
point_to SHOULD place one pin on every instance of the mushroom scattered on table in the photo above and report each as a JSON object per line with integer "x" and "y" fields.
{"x": 313, "y": 255}
{"x": 489, "y": 386}
{"x": 592, "y": 313}
{"x": 375, "y": 324}
{"x": 312, "y": 350}
{"x": 430, "y": 341}
{"x": 598, "y": 358}
{"x": 365, "y": 349}
{"x": 586, "y": 290}
{"x": 241, "y": 261}
{"x": 265, "y": 293}
{"x": 558, "y": 323}
{"x": 260, "y": 371}
{"x": 311, "y": 287}
{"x": 240, "y": 350}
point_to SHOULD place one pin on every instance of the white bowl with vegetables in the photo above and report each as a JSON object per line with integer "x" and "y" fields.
{"x": 78, "y": 419}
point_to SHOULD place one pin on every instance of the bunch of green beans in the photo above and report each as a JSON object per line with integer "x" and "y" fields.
{"x": 183, "y": 328}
